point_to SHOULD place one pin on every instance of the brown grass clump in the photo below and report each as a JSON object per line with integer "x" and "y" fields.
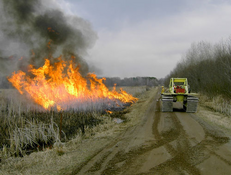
{"x": 78, "y": 148}
{"x": 216, "y": 111}
{"x": 216, "y": 103}
{"x": 25, "y": 128}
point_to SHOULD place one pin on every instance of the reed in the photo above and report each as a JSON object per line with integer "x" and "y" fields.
{"x": 26, "y": 127}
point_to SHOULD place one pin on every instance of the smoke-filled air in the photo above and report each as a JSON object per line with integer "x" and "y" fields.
{"x": 42, "y": 54}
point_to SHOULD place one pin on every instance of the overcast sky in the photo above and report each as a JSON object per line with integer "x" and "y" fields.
{"x": 148, "y": 37}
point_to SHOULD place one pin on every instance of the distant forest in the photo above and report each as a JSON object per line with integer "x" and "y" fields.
{"x": 109, "y": 82}
{"x": 207, "y": 67}
{"x": 132, "y": 81}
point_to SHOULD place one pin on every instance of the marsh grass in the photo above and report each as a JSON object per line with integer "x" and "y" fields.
{"x": 64, "y": 157}
{"x": 37, "y": 130}
{"x": 26, "y": 127}
{"x": 136, "y": 91}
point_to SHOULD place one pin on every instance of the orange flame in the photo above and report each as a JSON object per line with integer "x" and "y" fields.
{"x": 58, "y": 85}
{"x": 109, "y": 112}
{"x": 49, "y": 44}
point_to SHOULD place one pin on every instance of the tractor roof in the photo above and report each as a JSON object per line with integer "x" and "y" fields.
{"x": 179, "y": 79}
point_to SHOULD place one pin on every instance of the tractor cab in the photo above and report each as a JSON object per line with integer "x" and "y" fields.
{"x": 178, "y": 85}
{"x": 179, "y": 92}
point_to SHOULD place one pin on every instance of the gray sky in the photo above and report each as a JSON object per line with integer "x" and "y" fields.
{"x": 148, "y": 37}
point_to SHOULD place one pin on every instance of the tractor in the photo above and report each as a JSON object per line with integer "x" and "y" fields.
{"x": 179, "y": 91}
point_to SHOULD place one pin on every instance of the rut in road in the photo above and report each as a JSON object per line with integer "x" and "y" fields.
{"x": 177, "y": 150}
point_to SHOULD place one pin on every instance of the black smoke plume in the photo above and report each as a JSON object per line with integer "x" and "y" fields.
{"x": 31, "y": 30}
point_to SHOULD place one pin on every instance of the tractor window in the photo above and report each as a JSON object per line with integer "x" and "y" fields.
{"x": 178, "y": 83}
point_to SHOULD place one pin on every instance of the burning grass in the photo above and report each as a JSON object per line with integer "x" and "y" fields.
{"x": 60, "y": 85}
{"x": 67, "y": 156}
{"x": 53, "y": 104}
{"x": 23, "y": 132}
{"x": 27, "y": 127}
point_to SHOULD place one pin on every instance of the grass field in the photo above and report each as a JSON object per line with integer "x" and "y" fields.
{"x": 216, "y": 103}
{"x": 73, "y": 152}
{"x": 26, "y": 127}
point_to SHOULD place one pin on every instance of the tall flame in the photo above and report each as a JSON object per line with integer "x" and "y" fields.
{"x": 58, "y": 85}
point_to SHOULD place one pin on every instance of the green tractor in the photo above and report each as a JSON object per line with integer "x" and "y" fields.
{"x": 179, "y": 91}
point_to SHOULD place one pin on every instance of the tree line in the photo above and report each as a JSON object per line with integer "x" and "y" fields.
{"x": 109, "y": 81}
{"x": 207, "y": 67}
{"x": 131, "y": 81}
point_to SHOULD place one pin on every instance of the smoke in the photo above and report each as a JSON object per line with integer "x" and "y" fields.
{"x": 31, "y": 30}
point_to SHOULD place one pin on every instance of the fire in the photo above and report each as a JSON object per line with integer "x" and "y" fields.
{"x": 109, "y": 112}
{"x": 61, "y": 85}
{"x": 49, "y": 43}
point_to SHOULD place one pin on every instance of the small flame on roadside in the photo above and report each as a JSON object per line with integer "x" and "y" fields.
{"x": 109, "y": 112}
{"x": 58, "y": 84}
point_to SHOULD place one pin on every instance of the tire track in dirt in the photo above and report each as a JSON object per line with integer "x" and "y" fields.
{"x": 123, "y": 161}
{"x": 178, "y": 162}
{"x": 214, "y": 139}
{"x": 183, "y": 153}
{"x": 108, "y": 161}
{"x": 186, "y": 157}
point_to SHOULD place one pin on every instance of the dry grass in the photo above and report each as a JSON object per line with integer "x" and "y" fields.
{"x": 65, "y": 157}
{"x": 26, "y": 127}
{"x": 218, "y": 104}
{"x": 215, "y": 118}
{"x": 216, "y": 111}
{"x": 133, "y": 90}
{"x": 34, "y": 134}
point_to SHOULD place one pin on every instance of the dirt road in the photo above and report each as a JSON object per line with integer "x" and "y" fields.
{"x": 165, "y": 143}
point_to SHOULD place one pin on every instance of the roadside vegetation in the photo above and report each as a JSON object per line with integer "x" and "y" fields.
{"x": 208, "y": 69}
{"x": 76, "y": 149}
{"x": 26, "y": 128}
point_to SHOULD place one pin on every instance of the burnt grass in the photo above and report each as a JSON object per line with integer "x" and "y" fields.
{"x": 70, "y": 123}
{"x": 120, "y": 114}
